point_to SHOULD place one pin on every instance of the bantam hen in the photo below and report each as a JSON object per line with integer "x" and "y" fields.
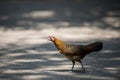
{"x": 75, "y": 52}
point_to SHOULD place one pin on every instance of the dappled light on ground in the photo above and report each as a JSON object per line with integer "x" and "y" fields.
{"x": 26, "y": 53}
{"x": 71, "y": 34}
{"x": 31, "y": 56}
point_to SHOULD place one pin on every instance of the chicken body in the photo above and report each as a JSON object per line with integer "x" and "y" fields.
{"x": 75, "y": 52}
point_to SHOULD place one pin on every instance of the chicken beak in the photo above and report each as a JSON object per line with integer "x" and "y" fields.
{"x": 51, "y": 38}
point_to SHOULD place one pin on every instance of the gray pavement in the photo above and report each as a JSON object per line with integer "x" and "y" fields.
{"x": 26, "y": 54}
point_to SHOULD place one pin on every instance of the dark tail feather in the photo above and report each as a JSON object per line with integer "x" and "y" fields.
{"x": 97, "y": 46}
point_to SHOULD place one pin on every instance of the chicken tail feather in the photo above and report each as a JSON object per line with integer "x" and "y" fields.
{"x": 97, "y": 46}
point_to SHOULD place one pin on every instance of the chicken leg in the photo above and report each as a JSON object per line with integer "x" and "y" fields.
{"x": 82, "y": 65}
{"x": 73, "y": 65}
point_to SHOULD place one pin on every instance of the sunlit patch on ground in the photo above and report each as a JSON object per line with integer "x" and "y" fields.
{"x": 40, "y": 37}
{"x": 39, "y": 14}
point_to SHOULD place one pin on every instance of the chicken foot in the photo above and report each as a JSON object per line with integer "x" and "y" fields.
{"x": 73, "y": 63}
{"x": 82, "y": 66}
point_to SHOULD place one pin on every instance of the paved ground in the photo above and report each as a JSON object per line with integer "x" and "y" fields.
{"x": 26, "y": 54}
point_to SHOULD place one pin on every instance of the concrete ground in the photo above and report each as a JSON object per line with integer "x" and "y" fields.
{"x": 26, "y": 54}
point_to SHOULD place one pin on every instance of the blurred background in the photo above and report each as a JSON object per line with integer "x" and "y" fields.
{"x": 25, "y": 52}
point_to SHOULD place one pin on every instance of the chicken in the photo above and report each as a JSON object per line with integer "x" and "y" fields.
{"x": 75, "y": 53}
